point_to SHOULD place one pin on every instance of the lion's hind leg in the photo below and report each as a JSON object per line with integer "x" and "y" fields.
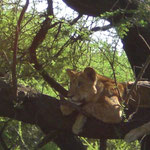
{"x": 108, "y": 109}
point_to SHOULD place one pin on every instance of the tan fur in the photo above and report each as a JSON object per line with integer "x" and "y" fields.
{"x": 97, "y": 95}
{"x": 100, "y": 97}
{"x": 141, "y": 98}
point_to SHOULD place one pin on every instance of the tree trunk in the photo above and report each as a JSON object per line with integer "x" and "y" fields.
{"x": 137, "y": 50}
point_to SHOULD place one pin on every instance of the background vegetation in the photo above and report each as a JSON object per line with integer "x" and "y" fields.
{"x": 69, "y": 44}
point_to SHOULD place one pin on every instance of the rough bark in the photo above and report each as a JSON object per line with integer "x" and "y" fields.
{"x": 97, "y": 7}
{"x": 43, "y": 111}
{"x": 136, "y": 49}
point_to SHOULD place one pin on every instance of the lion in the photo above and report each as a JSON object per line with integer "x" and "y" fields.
{"x": 97, "y": 95}
{"x": 101, "y": 97}
{"x": 141, "y": 97}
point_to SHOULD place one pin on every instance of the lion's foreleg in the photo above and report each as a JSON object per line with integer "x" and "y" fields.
{"x": 79, "y": 123}
{"x": 66, "y": 109}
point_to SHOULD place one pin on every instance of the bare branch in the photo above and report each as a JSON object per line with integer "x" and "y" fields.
{"x": 76, "y": 19}
{"x": 71, "y": 40}
{"x": 104, "y": 28}
{"x": 38, "y": 39}
{"x": 14, "y": 78}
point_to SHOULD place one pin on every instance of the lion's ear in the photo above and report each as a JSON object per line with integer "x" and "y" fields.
{"x": 70, "y": 73}
{"x": 90, "y": 73}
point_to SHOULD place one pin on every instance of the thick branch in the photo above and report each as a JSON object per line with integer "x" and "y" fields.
{"x": 43, "y": 110}
{"x": 138, "y": 50}
{"x": 97, "y": 7}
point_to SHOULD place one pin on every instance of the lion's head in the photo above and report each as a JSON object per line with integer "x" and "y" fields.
{"x": 82, "y": 85}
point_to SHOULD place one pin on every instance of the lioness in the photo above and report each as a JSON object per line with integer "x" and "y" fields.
{"x": 97, "y": 95}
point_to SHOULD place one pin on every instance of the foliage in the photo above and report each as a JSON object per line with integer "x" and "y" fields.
{"x": 18, "y": 135}
{"x": 139, "y": 17}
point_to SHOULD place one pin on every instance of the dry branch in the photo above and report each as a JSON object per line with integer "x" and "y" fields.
{"x": 103, "y": 28}
{"x": 38, "y": 39}
{"x": 18, "y": 28}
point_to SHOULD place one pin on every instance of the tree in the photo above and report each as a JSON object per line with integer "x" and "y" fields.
{"x": 136, "y": 51}
{"x": 42, "y": 47}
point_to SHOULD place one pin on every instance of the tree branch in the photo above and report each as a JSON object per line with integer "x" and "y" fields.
{"x": 76, "y": 19}
{"x": 104, "y": 28}
{"x": 14, "y": 78}
{"x": 38, "y": 39}
{"x": 50, "y": 7}
{"x": 97, "y": 7}
{"x": 44, "y": 111}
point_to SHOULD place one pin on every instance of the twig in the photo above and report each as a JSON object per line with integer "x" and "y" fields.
{"x": 114, "y": 74}
{"x": 76, "y": 19}
{"x": 112, "y": 67}
{"x": 104, "y": 28}
{"x": 144, "y": 41}
{"x": 14, "y": 77}
{"x": 56, "y": 35}
{"x": 71, "y": 40}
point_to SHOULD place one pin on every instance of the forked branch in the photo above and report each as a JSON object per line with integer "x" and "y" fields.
{"x": 38, "y": 39}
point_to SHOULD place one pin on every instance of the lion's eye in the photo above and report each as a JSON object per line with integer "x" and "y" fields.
{"x": 80, "y": 83}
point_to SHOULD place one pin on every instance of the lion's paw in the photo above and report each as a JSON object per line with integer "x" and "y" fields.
{"x": 79, "y": 124}
{"x": 66, "y": 110}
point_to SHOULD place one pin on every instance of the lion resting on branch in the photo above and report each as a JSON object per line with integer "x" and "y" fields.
{"x": 101, "y": 98}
